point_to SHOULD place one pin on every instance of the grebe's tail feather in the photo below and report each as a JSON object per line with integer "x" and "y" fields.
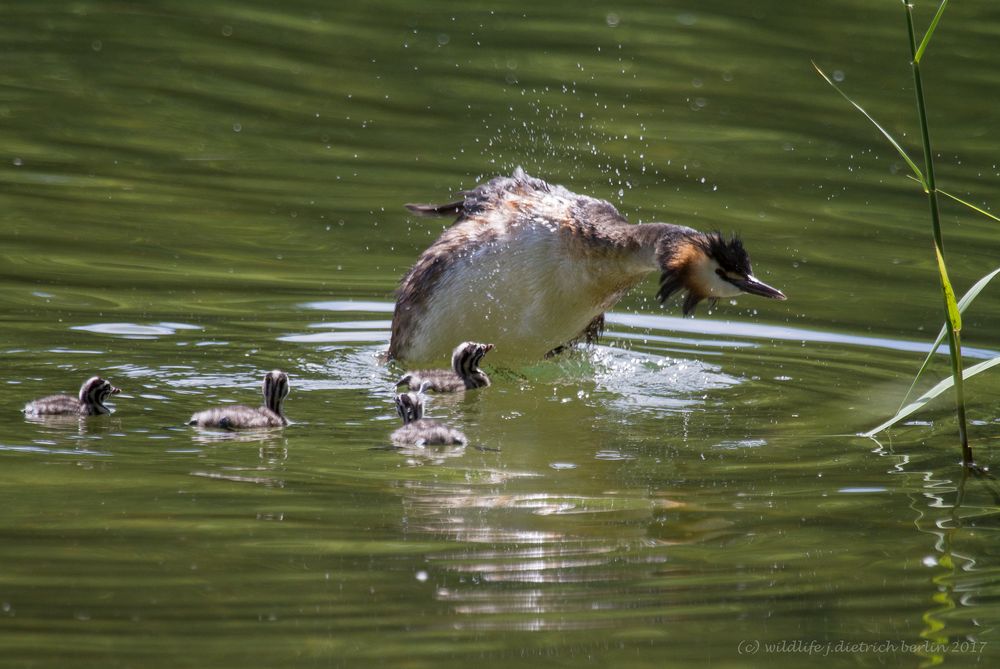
{"x": 450, "y": 209}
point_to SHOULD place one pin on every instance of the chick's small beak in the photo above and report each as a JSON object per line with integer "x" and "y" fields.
{"x": 115, "y": 390}
{"x": 755, "y": 286}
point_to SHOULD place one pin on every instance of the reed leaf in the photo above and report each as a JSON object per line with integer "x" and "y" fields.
{"x": 885, "y": 133}
{"x": 930, "y": 31}
{"x": 969, "y": 205}
{"x": 962, "y": 305}
{"x": 957, "y": 199}
{"x": 941, "y": 387}
{"x": 954, "y": 315}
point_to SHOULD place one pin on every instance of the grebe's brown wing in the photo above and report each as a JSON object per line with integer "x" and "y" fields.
{"x": 522, "y": 193}
{"x": 485, "y": 196}
{"x": 480, "y": 197}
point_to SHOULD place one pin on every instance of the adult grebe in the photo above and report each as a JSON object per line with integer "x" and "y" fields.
{"x": 420, "y": 431}
{"x": 533, "y": 267}
{"x": 275, "y": 390}
{"x": 463, "y": 375}
{"x": 90, "y": 402}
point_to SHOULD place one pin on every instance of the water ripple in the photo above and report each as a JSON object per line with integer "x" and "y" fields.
{"x": 765, "y": 332}
{"x": 134, "y": 330}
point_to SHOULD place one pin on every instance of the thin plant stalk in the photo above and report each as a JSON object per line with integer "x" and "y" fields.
{"x": 951, "y": 312}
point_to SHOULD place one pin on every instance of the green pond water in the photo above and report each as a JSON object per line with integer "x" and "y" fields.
{"x": 193, "y": 193}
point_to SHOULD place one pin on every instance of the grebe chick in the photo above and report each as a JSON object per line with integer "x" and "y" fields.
{"x": 532, "y": 267}
{"x": 420, "y": 431}
{"x": 90, "y": 402}
{"x": 275, "y": 390}
{"x": 463, "y": 375}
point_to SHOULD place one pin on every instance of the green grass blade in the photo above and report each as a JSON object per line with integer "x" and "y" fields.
{"x": 957, "y": 199}
{"x": 930, "y": 31}
{"x": 941, "y": 387}
{"x": 977, "y": 288}
{"x": 962, "y": 305}
{"x": 969, "y": 205}
{"x": 885, "y": 133}
{"x": 954, "y": 315}
{"x": 924, "y": 186}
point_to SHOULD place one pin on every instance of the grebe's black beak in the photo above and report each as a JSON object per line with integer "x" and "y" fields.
{"x": 755, "y": 286}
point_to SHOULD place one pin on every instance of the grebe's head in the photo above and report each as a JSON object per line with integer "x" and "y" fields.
{"x": 275, "y": 389}
{"x": 709, "y": 267}
{"x": 95, "y": 390}
{"x": 410, "y": 406}
{"x": 465, "y": 361}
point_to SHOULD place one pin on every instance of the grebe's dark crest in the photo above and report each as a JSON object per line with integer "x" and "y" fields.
{"x": 463, "y": 375}
{"x": 271, "y": 414}
{"x": 420, "y": 431}
{"x": 532, "y": 266}
{"x": 90, "y": 402}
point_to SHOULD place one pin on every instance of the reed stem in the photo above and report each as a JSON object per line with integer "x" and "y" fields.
{"x": 954, "y": 339}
